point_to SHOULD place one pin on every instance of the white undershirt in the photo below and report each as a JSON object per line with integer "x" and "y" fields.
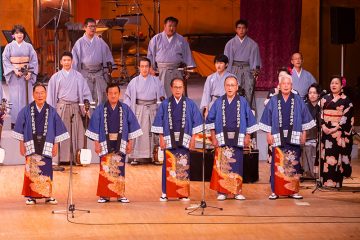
{"x": 241, "y": 41}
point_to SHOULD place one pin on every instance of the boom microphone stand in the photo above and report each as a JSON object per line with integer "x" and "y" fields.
{"x": 71, "y": 206}
{"x": 202, "y": 204}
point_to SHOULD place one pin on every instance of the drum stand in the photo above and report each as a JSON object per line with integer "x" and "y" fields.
{"x": 71, "y": 205}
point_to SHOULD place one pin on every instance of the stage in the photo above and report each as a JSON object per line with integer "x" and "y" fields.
{"x": 322, "y": 215}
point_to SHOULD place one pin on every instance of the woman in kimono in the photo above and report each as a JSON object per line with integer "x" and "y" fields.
{"x": 39, "y": 129}
{"x": 336, "y": 142}
{"x": 19, "y": 55}
{"x": 286, "y": 119}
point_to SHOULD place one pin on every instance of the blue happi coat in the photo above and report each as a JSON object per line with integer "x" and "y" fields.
{"x": 269, "y": 121}
{"x": 96, "y": 131}
{"x": 193, "y": 122}
{"x": 248, "y": 124}
{"x": 23, "y": 130}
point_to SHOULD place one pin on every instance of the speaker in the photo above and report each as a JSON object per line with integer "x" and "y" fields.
{"x": 342, "y": 22}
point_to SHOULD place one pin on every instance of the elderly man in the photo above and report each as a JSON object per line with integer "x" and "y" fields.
{"x": 91, "y": 55}
{"x": 39, "y": 129}
{"x": 302, "y": 79}
{"x": 177, "y": 121}
{"x": 231, "y": 122}
{"x": 142, "y": 95}
{"x": 167, "y": 50}
{"x": 244, "y": 59}
{"x": 286, "y": 119}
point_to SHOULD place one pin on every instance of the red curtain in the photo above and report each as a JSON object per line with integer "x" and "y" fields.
{"x": 276, "y": 26}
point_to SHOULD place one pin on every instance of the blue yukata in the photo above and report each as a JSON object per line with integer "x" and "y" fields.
{"x": 177, "y": 121}
{"x": 39, "y": 129}
{"x": 286, "y": 120}
{"x": 231, "y": 122}
{"x": 112, "y": 128}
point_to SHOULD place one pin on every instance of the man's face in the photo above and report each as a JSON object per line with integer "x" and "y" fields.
{"x": 19, "y": 36}
{"x": 113, "y": 95}
{"x": 285, "y": 85}
{"x": 220, "y": 67}
{"x": 66, "y": 62}
{"x": 39, "y": 95}
{"x": 296, "y": 60}
{"x": 241, "y": 30}
{"x": 170, "y": 28}
{"x": 231, "y": 87}
{"x": 144, "y": 68}
{"x": 90, "y": 29}
{"x": 177, "y": 89}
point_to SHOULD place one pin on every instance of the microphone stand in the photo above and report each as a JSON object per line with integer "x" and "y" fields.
{"x": 202, "y": 204}
{"x": 70, "y": 206}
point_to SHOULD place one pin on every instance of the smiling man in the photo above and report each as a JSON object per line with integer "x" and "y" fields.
{"x": 39, "y": 130}
{"x": 286, "y": 119}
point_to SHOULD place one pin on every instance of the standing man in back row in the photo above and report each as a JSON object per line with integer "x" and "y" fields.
{"x": 90, "y": 55}
{"x": 167, "y": 51}
{"x": 244, "y": 60}
{"x": 302, "y": 79}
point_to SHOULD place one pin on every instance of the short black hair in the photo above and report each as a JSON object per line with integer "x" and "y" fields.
{"x": 112, "y": 85}
{"x": 171, "y": 19}
{"x": 39, "y": 84}
{"x": 241, "y": 22}
{"x": 221, "y": 58}
{"x": 336, "y": 76}
{"x": 177, "y": 78}
{"x": 145, "y": 59}
{"x": 89, "y": 20}
{"x": 66, "y": 53}
{"x": 316, "y": 86}
{"x": 19, "y": 28}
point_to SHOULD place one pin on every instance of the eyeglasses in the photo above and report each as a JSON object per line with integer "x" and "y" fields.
{"x": 91, "y": 26}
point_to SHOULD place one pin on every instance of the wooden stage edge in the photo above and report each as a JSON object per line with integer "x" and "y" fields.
{"x": 322, "y": 215}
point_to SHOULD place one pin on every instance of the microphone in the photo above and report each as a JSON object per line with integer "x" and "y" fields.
{"x": 323, "y": 93}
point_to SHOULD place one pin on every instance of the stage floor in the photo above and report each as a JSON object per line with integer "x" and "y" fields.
{"x": 323, "y": 215}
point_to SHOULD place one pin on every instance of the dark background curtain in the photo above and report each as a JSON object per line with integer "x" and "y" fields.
{"x": 276, "y": 26}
